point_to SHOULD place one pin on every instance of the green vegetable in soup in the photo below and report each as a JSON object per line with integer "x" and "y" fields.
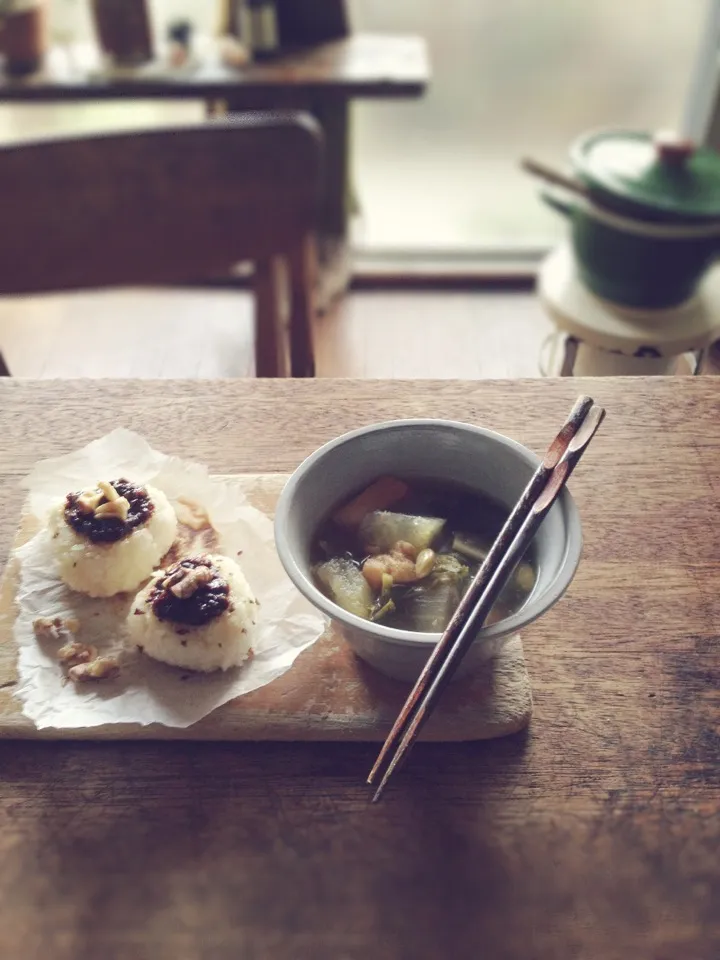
{"x": 524, "y": 576}
{"x": 472, "y": 546}
{"x": 449, "y": 567}
{"x": 428, "y": 608}
{"x": 383, "y": 611}
{"x": 381, "y": 530}
{"x": 429, "y": 605}
{"x": 477, "y": 548}
{"x": 341, "y": 580}
{"x": 387, "y": 585}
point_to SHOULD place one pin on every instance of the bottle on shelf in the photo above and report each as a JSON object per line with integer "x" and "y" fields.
{"x": 123, "y": 28}
{"x": 23, "y": 35}
{"x": 263, "y": 38}
{"x": 179, "y": 33}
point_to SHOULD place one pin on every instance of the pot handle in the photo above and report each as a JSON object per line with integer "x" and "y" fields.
{"x": 557, "y": 203}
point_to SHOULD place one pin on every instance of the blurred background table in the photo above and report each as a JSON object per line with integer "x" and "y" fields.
{"x": 322, "y": 78}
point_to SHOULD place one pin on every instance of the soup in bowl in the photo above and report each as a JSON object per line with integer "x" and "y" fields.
{"x": 383, "y": 528}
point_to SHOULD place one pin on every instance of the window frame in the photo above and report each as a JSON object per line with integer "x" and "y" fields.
{"x": 701, "y": 116}
{"x": 517, "y": 266}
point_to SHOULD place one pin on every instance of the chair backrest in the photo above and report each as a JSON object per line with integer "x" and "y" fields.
{"x": 157, "y": 206}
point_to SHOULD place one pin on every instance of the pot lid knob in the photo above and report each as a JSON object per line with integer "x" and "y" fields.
{"x": 672, "y": 149}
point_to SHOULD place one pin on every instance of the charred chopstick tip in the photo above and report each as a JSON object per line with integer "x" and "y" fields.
{"x": 574, "y": 422}
{"x": 588, "y": 430}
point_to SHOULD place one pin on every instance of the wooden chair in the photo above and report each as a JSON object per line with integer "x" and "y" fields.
{"x": 171, "y": 205}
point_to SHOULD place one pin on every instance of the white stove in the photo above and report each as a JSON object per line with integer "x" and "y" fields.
{"x": 596, "y": 338}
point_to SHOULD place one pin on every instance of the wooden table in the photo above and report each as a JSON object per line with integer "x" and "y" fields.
{"x": 322, "y": 79}
{"x": 595, "y": 835}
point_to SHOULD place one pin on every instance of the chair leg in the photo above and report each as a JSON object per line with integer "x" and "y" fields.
{"x": 271, "y": 347}
{"x": 4, "y": 369}
{"x": 568, "y": 363}
{"x": 303, "y": 269}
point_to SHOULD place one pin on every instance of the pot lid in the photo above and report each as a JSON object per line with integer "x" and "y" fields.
{"x": 662, "y": 173}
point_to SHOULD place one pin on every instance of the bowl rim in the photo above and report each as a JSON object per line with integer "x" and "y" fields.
{"x": 533, "y": 608}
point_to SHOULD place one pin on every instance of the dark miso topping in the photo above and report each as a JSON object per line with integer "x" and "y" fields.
{"x": 206, "y": 601}
{"x": 110, "y": 529}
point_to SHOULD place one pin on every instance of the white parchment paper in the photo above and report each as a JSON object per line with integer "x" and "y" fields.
{"x": 146, "y": 691}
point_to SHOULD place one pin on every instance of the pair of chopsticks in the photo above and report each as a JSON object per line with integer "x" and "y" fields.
{"x": 547, "y": 482}
{"x": 555, "y": 177}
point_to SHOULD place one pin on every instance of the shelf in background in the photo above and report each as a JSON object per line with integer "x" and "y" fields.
{"x": 361, "y": 65}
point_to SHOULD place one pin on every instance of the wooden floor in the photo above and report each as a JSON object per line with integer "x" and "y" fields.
{"x": 206, "y": 333}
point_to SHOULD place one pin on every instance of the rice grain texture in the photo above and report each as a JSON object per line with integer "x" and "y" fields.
{"x": 222, "y": 643}
{"x": 104, "y": 569}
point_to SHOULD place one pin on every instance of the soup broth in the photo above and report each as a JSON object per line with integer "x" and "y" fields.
{"x": 403, "y": 553}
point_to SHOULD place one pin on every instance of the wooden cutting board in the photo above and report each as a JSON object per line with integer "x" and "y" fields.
{"x": 329, "y": 694}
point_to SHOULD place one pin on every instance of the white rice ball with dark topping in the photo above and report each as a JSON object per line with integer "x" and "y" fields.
{"x": 104, "y": 555}
{"x": 207, "y": 627}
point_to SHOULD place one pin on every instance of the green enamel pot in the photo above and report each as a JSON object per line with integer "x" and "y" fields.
{"x": 648, "y": 227}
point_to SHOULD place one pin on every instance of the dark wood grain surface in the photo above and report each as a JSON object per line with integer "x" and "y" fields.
{"x": 361, "y": 65}
{"x": 594, "y": 835}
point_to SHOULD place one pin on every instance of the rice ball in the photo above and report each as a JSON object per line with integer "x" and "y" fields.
{"x": 197, "y": 614}
{"x": 110, "y": 539}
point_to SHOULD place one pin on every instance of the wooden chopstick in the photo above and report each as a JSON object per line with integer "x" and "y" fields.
{"x": 475, "y": 619}
{"x": 512, "y": 525}
{"x": 516, "y": 535}
{"x": 555, "y": 177}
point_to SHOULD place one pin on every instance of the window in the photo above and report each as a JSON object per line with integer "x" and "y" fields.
{"x": 508, "y": 79}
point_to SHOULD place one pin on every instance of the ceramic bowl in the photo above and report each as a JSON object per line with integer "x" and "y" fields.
{"x": 437, "y": 450}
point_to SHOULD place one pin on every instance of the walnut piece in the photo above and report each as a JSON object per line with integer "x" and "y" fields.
{"x": 119, "y": 507}
{"x": 115, "y": 506}
{"x": 175, "y": 577}
{"x": 74, "y": 652}
{"x": 88, "y": 500}
{"x": 108, "y": 491}
{"x": 192, "y": 514}
{"x": 189, "y": 583}
{"x": 55, "y": 628}
{"x": 102, "y": 668}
